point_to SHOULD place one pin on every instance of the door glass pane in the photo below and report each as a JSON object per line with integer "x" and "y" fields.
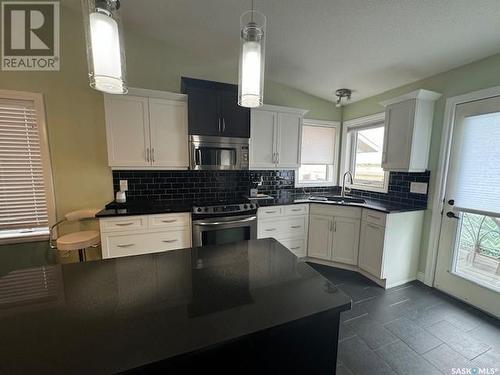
{"x": 216, "y": 156}
{"x": 367, "y": 157}
{"x": 222, "y": 236}
{"x": 477, "y": 255}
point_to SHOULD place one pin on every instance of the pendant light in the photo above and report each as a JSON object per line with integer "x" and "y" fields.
{"x": 252, "y": 59}
{"x": 105, "y": 52}
{"x": 343, "y": 97}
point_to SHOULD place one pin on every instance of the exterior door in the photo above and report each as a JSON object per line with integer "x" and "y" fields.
{"x": 320, "y": 237}
{"x": 127, "y": 131}
{"x": 468, "y": 264}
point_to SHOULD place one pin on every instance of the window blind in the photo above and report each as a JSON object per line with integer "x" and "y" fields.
{"x": 23, "y": 202}
{"x": 318, "y": 144}
{"x": 478, "y": 178}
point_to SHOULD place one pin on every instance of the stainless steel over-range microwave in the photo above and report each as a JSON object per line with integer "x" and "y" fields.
{"x": 218, "y": 153}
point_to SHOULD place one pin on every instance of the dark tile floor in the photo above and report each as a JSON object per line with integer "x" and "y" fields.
{"x": 411, "y": 329}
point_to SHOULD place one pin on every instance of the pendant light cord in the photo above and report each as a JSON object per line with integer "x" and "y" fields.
{"x": 252, "y": 10}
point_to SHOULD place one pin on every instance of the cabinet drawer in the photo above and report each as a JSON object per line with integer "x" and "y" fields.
{"x": 165, "y": 221}
{"x": 374, "y": 217}
{"x": 121, "y": 245}
{"x": 265, "y": 212}
{"x": 295, "y": 226}
{"x": 270, "y": 228}
{"x": 339, "y": 211}
{"x": 297, "y": 246}
{"x": 123, "y": 223}
{"x": 296, "y": 209}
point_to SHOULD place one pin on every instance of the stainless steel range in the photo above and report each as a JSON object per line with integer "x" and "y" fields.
{"x": 220, "y": 223}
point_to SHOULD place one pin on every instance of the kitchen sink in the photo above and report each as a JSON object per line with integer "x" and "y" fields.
{"x": 336, "y": 198}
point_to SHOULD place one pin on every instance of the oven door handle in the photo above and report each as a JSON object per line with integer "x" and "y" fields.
{"x": 208, "y": 223}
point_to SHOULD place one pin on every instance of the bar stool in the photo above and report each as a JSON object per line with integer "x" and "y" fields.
{"x": 77, "y": 240}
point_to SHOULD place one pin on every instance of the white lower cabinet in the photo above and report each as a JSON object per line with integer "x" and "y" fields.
{"x": 334, "y": 233}
{"x": 134, "y": 235}
{"x": 371, "y": 248}
{"x": 287, "y": 224}
{"x": 320, "y": 237}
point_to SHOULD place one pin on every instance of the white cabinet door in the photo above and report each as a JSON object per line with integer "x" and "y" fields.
{"x": 127, "y": 130}
{"x": 169, "y": 133}
{"x": 288, "y": 141}
{"x": 263, "y": 138}
{"x": 320, "y": 237}
{"x": 345, "y": 240}
{"x": 399, "y": 121}
{"x": 371, "y": 249}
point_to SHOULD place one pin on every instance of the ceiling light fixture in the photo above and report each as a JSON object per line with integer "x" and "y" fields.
{"x": 252, "y": 59}
{"x": 105, "y": 52}
{"x": 343, "y": 97}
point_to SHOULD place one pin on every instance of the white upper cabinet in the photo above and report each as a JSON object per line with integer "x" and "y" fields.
{"x": 169, "y": 133}
{"x": 147, "y": 130}
{"x": 275, "y": 137}
{"x": 262, "y": 143}
{"x": 408, "y": 127}
{"x": 127, "y": 130}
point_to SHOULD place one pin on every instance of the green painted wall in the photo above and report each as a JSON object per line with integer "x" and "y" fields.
{"x": 476, "y": 76}
{"x": 75, "y": 113}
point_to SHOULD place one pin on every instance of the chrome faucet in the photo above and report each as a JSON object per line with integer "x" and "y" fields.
{"x": 348, "y": 173}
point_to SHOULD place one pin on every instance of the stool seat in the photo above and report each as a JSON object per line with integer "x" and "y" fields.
{"x": 78, "y": 240}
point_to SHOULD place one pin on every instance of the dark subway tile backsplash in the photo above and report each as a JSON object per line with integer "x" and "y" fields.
{"x": 230, "y": 185}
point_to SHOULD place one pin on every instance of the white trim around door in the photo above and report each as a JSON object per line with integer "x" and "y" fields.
{"x": 442, "y": 172}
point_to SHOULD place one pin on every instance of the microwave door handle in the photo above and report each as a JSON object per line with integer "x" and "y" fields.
{"x": 197, "y": 156}
{"x": 208, "y": 223}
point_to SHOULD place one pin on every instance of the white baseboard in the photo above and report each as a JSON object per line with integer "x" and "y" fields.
{"x": 421, "y": 277}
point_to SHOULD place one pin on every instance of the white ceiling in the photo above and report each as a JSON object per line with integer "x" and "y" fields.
{"x": 318, "y": 46}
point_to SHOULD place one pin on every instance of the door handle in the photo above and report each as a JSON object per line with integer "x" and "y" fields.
{"x": 452, "y": 215}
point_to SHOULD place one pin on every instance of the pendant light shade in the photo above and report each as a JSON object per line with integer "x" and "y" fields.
{"x": 105, "y": 52}
{"x": 252, "y": 59}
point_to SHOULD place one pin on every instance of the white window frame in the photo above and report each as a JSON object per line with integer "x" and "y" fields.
{"x": 335, "y": 169}
{"x": 348, "y": 150}
{"x": 38, "y": 102}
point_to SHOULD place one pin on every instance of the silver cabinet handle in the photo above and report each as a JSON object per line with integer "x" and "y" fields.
{"x": 147, "y": 154}
{"x": 153, "y": 155}
{"x": 170, "y": 241}
{"x": 296, "y": 209}
{"x": 296, "y": 226}
{"x": 334, "y": 226}
{"x": 126, "y": 245}
{"x": 331, "y": 226}
{"x": 223, "y": 124}
{"x": 277, "y": 158}
{"x": 270, "y": 212}
{"x": 209, "y": 223}
{"x": 295, "y": 248}
{"x": 218, "y": 123}
{"x": 169, "y": 221}
{"x": 270, "y": 230}
{"x": 123, "y": 224}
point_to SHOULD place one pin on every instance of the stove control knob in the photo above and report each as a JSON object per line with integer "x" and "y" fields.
{"x": 245, "y": 206}
{"x": 198, "y": 209}
{"x": 206, "y": 209}
{"x": 252, "y": 206}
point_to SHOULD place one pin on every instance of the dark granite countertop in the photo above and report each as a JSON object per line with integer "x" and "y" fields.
{"x": 144, "y": 208}
{"x": 285, "y": 199}
{"x": 111, "y": 315}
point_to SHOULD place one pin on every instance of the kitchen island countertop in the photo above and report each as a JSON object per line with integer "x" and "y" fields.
{"x": 120, "y": 314}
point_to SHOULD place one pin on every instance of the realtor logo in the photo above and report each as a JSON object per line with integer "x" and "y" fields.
{"x": 30, "y": 35}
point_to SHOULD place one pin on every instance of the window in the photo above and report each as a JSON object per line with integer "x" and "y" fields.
{"x": 318, "y": 154}
{"x": 364, "y": 141}
{"x": 26, "y": 195}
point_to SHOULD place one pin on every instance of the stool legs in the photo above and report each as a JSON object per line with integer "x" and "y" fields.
{"x": 82, "y": 255}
